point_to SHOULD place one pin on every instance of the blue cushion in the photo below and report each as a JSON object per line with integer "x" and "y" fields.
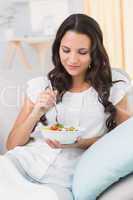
{"x": 104, "y": 162}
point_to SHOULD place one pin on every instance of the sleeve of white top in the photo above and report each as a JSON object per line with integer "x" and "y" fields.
{"x": 35, "y": 86}
{"x": 119, "y": 89}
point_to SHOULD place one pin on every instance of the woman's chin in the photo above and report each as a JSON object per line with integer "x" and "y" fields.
{"x": 73, "y": 73}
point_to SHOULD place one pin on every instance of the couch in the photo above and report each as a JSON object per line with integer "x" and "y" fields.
{"x": 12, "y": 90}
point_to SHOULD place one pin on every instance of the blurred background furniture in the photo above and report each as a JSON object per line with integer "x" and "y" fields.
{"x": 15, "y": 48}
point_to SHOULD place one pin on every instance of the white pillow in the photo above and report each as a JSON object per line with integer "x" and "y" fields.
{"x": 104, "y": 162}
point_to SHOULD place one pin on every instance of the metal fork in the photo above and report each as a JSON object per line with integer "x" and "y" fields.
{"x": 55, "y": 105}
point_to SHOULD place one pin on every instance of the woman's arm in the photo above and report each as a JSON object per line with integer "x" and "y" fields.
{"x": 80, "y": 143}
{"x": 123, "y": 111}
{"x": 30, "y": 114}
{"x": 23, "y": 126}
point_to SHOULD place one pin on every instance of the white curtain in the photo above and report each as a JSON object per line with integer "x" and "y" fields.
{"x": 115, "y": 19}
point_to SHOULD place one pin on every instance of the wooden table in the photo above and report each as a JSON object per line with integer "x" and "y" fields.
{"x": 15, "y": 47}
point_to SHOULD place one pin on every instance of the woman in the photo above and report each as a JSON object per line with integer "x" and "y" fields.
{"x": 88, "y": 95}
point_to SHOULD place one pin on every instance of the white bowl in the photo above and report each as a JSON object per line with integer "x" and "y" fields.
{"x": 64, "y": 137}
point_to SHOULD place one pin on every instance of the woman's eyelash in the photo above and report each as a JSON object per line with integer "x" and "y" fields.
{"x": 83, "y": 53}
{"x": 80, "y": 52}
{"x": 66, "y": 51}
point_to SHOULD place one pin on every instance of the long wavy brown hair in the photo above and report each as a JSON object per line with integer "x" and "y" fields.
{"x": 99, "y": 75}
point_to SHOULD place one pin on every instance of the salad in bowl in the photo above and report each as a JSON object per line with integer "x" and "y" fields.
{"x": 65, "y": 135}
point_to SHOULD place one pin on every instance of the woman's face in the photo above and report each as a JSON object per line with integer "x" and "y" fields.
{"x": 75, "y": 53}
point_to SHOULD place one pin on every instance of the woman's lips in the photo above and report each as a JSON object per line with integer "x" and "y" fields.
{"x": 73, "y": 66}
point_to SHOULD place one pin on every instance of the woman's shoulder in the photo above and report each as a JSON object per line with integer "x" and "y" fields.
{"x": 120, "y": 74}
{"x": 121, "y": 88}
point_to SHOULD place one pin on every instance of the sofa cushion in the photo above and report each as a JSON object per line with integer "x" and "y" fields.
{"x": 104, "y": 163}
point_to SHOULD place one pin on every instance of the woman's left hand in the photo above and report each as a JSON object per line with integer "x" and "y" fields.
{"x": 80, "y": 143}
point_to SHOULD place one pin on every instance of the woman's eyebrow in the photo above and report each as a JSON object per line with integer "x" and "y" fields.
{"x": 65, "y": 46}
{"x": 83, "y": 48}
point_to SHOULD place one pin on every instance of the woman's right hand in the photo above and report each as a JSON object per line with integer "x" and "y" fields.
{"x": 45, "y": 101}
{"x": 29, "y": 116}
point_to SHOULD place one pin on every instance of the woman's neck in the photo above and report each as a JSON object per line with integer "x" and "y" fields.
{"x": 79, "y": 86}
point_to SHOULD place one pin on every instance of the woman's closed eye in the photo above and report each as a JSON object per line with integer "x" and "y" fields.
{"x": 66, "y": 50}
{"x": 80, "y": 51}
{"x": 83, "y": 51}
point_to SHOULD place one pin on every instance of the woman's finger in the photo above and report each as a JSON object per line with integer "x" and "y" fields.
{"x": 53, "y": 143}
{"x": 50, "y": 143}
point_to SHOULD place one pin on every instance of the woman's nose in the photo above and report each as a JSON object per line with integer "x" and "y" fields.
{"x": 73, "y": 58}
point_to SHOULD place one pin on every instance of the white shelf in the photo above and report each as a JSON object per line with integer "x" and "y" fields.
{"x": 30, "y": 39}
{"x": 20, "y": 1}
